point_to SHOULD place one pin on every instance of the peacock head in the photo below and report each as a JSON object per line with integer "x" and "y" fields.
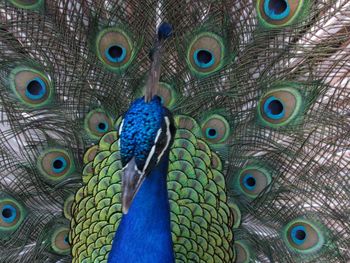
{"x": 146, "y": 135}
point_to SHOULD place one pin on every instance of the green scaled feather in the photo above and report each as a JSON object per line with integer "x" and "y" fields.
{"x": 199, "y": 213}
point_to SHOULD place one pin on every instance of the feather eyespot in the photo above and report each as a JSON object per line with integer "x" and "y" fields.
{"x": 67, "y": 207}
{"x": 59, "y": 164}
{"x": 274, "y": 108}
{"x": 279, "y": 13}
{"x": 205, "y": 53}
{"x": 60, "y": 241}
{"x": 279, "y": 107}
{"x": 115, "y": 53}
{"x": 31, "y": 86}
{"x": 97, "y": 123}
{"x": 298, "y": 235}
{"x": 8, "y": 213}
{"x": 215, "y": 128}
{"x": 114, "y": 48}
{"x": 243, "y": 252}
{"x": 27, "y": 4}
{"x": 203, "y": 58}
{"x": 303, "y": 236}
{"x": 252, "y": 180}
{"x": 55, "y": 165}
{"x": 167, "y": 94}
{"x": 249, "y": 182}
{"x": 12, "y": 214}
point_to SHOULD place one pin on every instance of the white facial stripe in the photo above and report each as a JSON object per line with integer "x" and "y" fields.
{"x": 121, "y": 127}
{"x": 149, "y": 157}
{"x": 158, "y": 134}
{"x": 168, "y": 137}
{"x": 137, "y": 170}
{"x": 125, "y": 167}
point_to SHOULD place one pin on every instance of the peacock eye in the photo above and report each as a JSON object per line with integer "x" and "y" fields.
{"x": 278, "y": 13}
{"x": 35, "y": 89}
{"x": 114, "y": 48}
{"x": 279, "y": 107}
{"x": 253, "y": 180}
{"x": 32, "y": 87}
{"x": 167, "y": 94}
{"x": 298, "y": 235}
{"x": 11, "y": 215}
{"x": 97, "y": 123}
{"x": 102, "y": 126}
{"x": 276, "y": 9}
{"x": 205, "y": 54}
{"x": 59, "y": 164}
{"x": 115, "y": 53}
{"x": 27, "y": 4}
{"x": 203, "y": 58}
{"x": 60, "y": 241}
{"x": 215, "y": 128}
{"x": 274, "y": 108}
{"x": 55, "y": 165}
{"x": 211, "y": 133}
{"x": 8, "y": 214}
{"x": 243, "y": 252}
{"x": 303, "y": 236}
{"x": 249, "y": 182}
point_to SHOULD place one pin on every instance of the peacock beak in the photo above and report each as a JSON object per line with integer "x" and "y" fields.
{"x": 132, "y": 180}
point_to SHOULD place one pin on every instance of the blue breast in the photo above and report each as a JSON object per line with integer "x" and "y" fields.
{"x": 144, "y": 234}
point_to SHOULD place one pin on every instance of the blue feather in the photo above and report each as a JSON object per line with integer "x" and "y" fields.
{"x": 144, "y": 234}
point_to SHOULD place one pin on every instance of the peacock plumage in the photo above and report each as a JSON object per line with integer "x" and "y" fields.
{"x": 174, "y": 131}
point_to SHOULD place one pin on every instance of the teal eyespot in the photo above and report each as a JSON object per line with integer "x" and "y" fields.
{"x": 274, "y": 108}
{"x": 114, "y": 48}
{"x": 31, "y": 86}
{"x": 304, "y": 236}
{"x": 298, "y": 234}
{"x": 65, "y": 239}
{"x": 55, "y": 165}
{"x": 204, "y": 58}
{"x": 205, "y": 54}
{"x": 115, "y": 53}
{"x": 279, "y": 107}
{"x": 27, "y": 4}
{"x": 215, "y": 128}
{"x": 251, "y": 180}
{"x": 276, "y": 9}
{"x": 280, "y": 13}
{"x": 35, "y": 89}
{"x": 12, "y": 214}
{"x": 102, "y": 126}
{"x": 167, "y": 94}
{"x": 97, "y": 123}
{"x": 60, "y": 241}
{"x": 8, "y": 213}
{"x": 59, "y": 164}
{"x": 243, "y": 252}
{"x": 211, "y": 133}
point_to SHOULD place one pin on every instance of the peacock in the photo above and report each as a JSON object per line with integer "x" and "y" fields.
{"x": 161, "y": 131}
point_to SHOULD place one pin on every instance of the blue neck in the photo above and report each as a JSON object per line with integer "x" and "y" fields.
{"x": 144, "y": 234}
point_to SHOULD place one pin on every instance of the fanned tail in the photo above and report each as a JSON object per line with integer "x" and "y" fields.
{"x": 266, "y": 82}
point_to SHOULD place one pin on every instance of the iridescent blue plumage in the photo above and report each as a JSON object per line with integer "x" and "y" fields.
{"x": 144, "y": 234}
{"x": 140, "y": 126}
